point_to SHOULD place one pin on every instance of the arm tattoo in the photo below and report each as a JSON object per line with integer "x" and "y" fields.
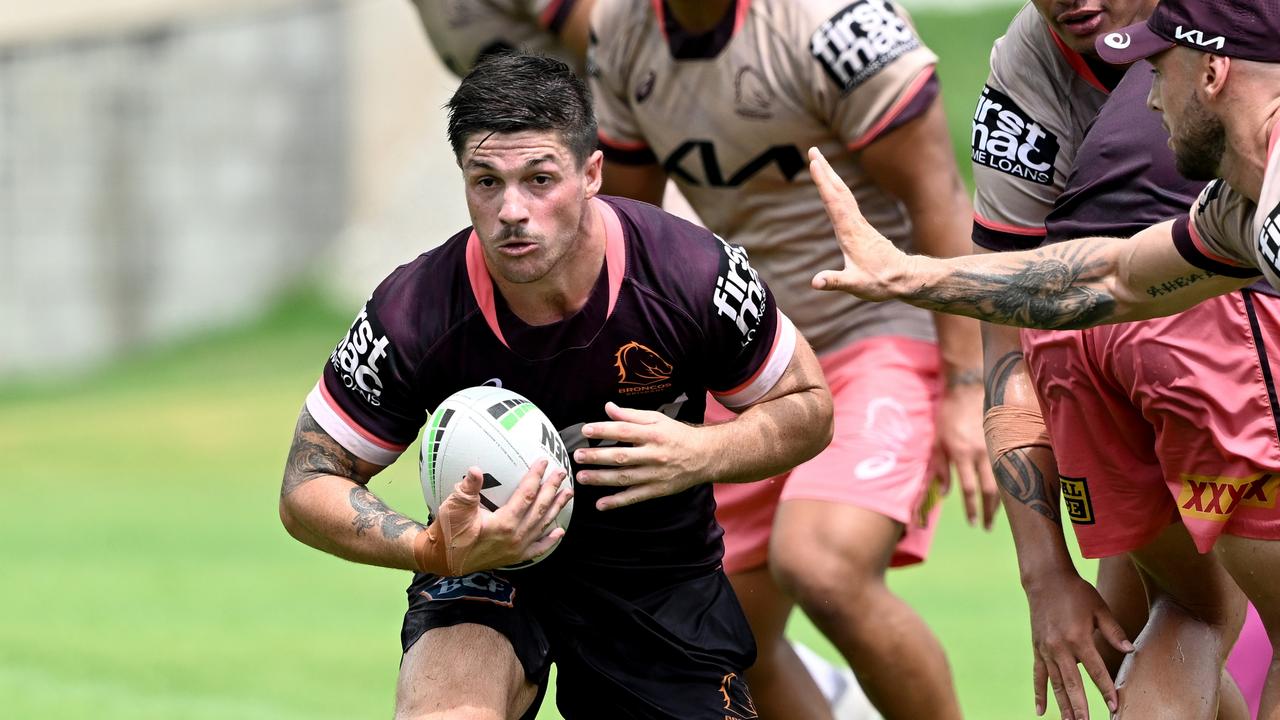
{"x": 1178, "y": 283}
{"x": 1024, "y": 482}
{"x": 998, "y": 378}
{"x": 371, "y": 511}
{"x": 1051, "y": 292}
{"x": 315, "y": 453}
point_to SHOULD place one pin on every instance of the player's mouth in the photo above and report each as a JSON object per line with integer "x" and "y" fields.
{"x": 1081, "y": 23}
{"x": 517, "y": 248}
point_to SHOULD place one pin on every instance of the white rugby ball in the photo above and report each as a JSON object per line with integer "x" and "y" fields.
{"x": 498, "y": 431}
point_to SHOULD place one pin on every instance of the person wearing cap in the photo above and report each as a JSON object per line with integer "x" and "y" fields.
{"x": 1056, "y": 124}
{"x": 1217, "y": 83}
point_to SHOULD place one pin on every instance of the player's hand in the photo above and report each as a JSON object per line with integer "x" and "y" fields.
{"x": 962, "y": 445}
{"x": 1065, "y": 611}
{"x": 664, "y": 457}
{"x": 478, "y": 539}
{"x": 869, "y": 257}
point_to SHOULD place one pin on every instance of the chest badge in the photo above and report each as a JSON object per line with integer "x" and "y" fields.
{"x": 641, "y": 369}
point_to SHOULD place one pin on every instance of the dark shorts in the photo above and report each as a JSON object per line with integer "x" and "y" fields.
{"x": 677, "y": 652}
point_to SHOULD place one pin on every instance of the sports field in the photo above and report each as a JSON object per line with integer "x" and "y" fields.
{"x": 144, "y": 573}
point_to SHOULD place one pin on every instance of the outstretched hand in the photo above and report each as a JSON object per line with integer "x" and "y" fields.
{"x": 869, "y": 258}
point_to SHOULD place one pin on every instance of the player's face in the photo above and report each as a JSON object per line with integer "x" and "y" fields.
{"x": 527, "y": 196}
{"x": 1080, "y": 22}
{"x": 1198, "y": 138}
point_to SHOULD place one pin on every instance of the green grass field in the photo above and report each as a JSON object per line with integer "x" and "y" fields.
{"x": 145, "y": 573}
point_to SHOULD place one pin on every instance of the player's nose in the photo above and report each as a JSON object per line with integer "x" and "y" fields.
{"x": 514, "y": 210}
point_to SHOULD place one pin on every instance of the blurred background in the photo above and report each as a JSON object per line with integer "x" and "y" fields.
{"x": 195, "y": 198}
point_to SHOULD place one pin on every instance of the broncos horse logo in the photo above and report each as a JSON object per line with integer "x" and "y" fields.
{"x": 639, "y": 365}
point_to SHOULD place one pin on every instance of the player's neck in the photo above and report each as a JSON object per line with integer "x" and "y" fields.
{"x": 567, "y": 287}
{"x": 1244, "y": 164}
{"x": 699, "y": 16}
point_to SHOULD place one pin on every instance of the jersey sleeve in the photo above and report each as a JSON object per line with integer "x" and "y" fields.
{"x": 1214, "y": 235}
{"x": 1018, "y": 168}
{"x": 867, "y": 69}
{"x": 750, "y": 341}
{"x": 608, "y": 76}
{"x": 365, "y": 398}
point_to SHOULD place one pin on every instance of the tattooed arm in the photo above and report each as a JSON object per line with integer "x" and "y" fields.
{"x": 1069, "y": 285}
{"x": 325, "y": 504}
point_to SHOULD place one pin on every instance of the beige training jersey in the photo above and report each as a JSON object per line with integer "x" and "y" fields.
{"x": 1029, "y": 121}
{"x": 463, "y": 31}
{"x": 731, "y": 113}
{"x": 1228, "y": 234}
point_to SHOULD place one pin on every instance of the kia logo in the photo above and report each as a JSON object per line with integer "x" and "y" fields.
{"x": 1116, "y": 40}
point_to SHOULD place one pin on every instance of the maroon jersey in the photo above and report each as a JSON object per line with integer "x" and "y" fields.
{"x": 1124, "y": 178}
{"x": 674, "y": 313}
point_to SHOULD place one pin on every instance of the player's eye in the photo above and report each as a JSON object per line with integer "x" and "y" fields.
{"x": 486, "y": 181}
{"x": 541, "y": 179}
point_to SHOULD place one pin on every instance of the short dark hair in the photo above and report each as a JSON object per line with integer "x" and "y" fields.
{"x": 512, "y": 92}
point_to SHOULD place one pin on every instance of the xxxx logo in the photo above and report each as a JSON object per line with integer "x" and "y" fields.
{"x": 641, "y": 370}
{"x": 1216, "y": 498}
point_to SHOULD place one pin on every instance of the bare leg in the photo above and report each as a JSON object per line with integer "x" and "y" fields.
{"x": 780, "y": 685}
{"x": 1255, "y": 564}
{"x": 832, "y": 558}
{"x": 462, "y": 672}
{"x": 1196, "y": 613}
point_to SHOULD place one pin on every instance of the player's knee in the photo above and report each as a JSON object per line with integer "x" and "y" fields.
{"x": 456, "y": 713}
{"x": 825, "y": 583}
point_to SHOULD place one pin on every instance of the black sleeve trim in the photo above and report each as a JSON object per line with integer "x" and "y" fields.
{"x": 1192, "y": 254}
{"x": 628, "y": 156}
{"x": 1000, "y": 241}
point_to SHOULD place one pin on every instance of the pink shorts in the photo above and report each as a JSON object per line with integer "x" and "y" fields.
{"x": 886, "y": 394}
{"x": 1166, "y": 419}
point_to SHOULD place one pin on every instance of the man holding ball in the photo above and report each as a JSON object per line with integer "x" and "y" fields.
{"x": 615, "y": 319}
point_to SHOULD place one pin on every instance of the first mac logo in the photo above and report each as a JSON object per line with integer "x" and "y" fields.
{"x": 361, "y": 356}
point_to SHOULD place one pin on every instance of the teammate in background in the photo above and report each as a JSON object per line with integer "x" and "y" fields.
{"x": 544, "y": 296}
{"x": 1217, "y": 83}
{"x": 723, "y": 96}
{"x": 464, "y": 31}
{"x": 1046, "y": 85}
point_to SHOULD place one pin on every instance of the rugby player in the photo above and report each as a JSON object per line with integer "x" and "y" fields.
{"x": 1217, "y": 83}
{"x": 722, "y": 97}
{"x": 544, "y": 295}
{"x": 1029, "y": 131}
{"x": 464, "y": 31}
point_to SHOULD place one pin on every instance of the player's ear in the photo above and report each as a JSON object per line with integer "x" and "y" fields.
{"x": 1213, "y": 74}
{"x": 593, "y": 171}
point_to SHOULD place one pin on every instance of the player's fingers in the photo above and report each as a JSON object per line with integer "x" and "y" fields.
{"x": 611, "y": 478}
{"x": 471, "y": 483}
{"x": 969, "y": 489}
{"x": 835, "y": 194}
{"x": 527, "y": 490}
{"x": 639, "y": 492}
{"x": 611, "y": 456}
{"x": 632, "y": 415}
{"x": 623, "y": 432}
{"x": 990, "y": 492}
{"x": 1039, "y": 680}
{"x": 535, "y": 519}
{"x": 1111, "y": 630}
{"x": 543, "y": 544}
{"x": 1059, "y": 689}
{"x": 1073, "y": 688}
{"x": 1097, "y": 670}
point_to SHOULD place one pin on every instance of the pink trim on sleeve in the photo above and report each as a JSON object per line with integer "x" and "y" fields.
{"x": 1011, "y": 229}
{"x": 917, "y": 84}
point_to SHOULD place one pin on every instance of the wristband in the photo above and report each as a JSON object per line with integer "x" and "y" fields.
{"x": 1008, "y": 428}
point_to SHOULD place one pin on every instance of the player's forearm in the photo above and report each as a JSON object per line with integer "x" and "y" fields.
{"x": 345, "y": 519}
{"x": 1028, "y": 480}
{"x": 325, "y": 504}
{"x": 1063, "y": 286}
{"x": 771, "y": 437}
